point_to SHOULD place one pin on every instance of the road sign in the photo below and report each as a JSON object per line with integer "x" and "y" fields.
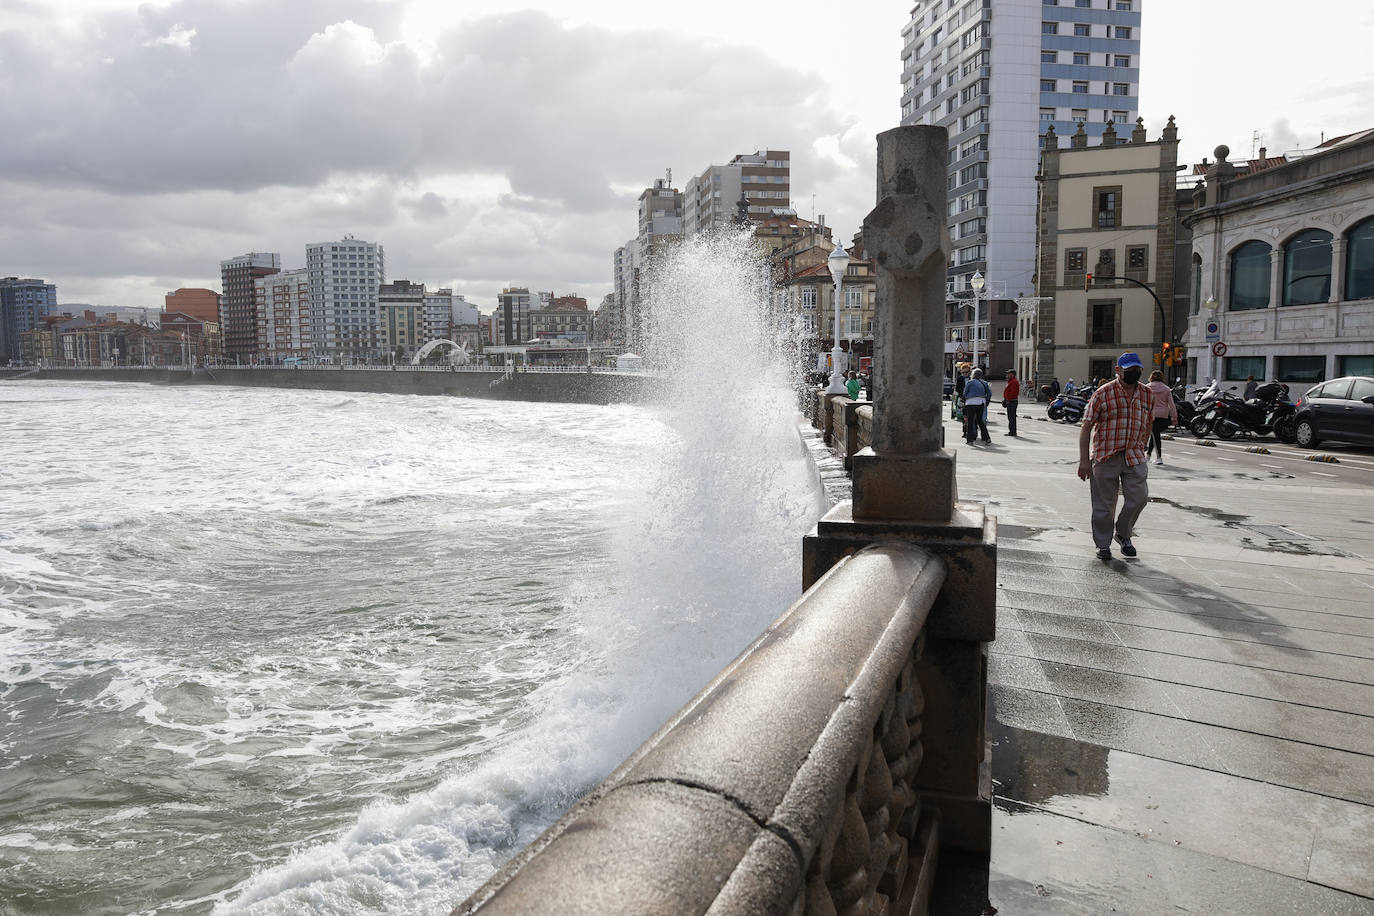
{"x": 1213, "y": 332}
{"x": 1218, "y": 349}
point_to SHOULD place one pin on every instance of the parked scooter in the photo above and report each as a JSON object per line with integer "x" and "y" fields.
{"x": 1070, "y": 407}
{"x": 1229, "y": 416}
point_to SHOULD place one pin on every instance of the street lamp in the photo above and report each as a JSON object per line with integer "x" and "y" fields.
{"x": 977, "y": 282}
{"x": 838, "y": 262}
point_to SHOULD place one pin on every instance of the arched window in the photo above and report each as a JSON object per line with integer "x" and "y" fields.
{"x": 1359, "y": 261}
{"x": 1250, "y": 277}
{"x": 1307, "y": 268}
{"x": 1195, "y": 295}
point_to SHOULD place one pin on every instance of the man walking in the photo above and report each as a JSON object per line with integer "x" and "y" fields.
{"x": 1111, "y": 452}
{"x": 1011, "y": 394}
{"x": 977, "y": 394}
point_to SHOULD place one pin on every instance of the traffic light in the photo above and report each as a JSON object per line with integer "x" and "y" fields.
{"x": 1087, "y": 282}
{"x": 1166, "y": 355}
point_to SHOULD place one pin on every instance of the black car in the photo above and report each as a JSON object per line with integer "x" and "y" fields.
{"x": 949, "y": 386}
{"x": 1341, "y": 409}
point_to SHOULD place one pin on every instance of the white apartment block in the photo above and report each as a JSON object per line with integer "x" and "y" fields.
{"x": 462, "y": 312}
{"x": 997, "y": 74}
{"x": 763, "y": 178}
{"x": 282, "y": 307}
{"x": 344, "y": 278}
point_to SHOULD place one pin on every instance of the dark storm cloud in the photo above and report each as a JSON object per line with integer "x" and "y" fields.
{"x": 203, "y": 95}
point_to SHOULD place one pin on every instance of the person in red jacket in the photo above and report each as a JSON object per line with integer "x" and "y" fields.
{"x": 1010, "y": 395}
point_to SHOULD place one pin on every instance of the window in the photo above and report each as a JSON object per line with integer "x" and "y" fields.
{"x": 1119, "y": 116}
{"x": 1080, "y": 115}
{"x": 1047, "y": 85}
{"x": 1005, "y": 334}
{"x": 1359, "y": 261}
{"x": 1080, "y": 58}
{"x": 1123, "y": 31}
{"x": 1047, "y": 114}
{"x": 1305, "y": 369}
{"x": 1123, "y": 6}
{"x": 853, "y": 297}
{"x": 1075, "y": 262}
{"x": 1103, "y": 327}
{"x": 1138, "y": 262}
{"x": 1049, "y": 57}
{"x": 1080, "y": 87}
{"x": 853, "y": 325}
{"x": 808, "y": 298}
{"x": 1121, "y": 88}
{"x": 1121, "y": 60}
{"x": 1356, "y": 365}
{"x": 1108, "y": 207}
{"x": 973, "y": 172}
{"x": 1083, "y": 4}
{"x": 1195, "y": 290}
{"x": 1051, "y": 2}
{"x": 1082, "y": 29}
{"x": 1049, "y": 28}
{"x": 1307, "y": 268}
{"x": 1250, "y": 277}
{"x": 1240, "y": 368}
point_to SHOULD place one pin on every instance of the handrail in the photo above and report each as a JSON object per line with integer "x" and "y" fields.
{"x": 785, "y": 786}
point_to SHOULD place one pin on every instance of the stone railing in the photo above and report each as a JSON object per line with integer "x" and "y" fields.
{"x": 847, "y": 424}
{"x": 790, "y": 785}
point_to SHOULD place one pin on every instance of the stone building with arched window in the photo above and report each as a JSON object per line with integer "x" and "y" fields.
{"x": 1283, "y": 267}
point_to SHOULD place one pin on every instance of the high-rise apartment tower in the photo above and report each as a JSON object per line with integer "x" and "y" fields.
{"x": 998, "y": 73}
{"x": 238, "y": 317}
{"x": 344, "y": 279}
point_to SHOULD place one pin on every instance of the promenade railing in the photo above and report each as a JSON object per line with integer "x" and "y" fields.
{"x": 788, "y": 785}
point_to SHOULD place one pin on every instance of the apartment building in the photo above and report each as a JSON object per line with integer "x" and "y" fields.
{"x": 238, "y": 305}
{"x": 998, "y": 74}
{"x": 344, "y": 279}
{"x": 283, "y": 315}
{"x": 401, "y": 318}
{"x": 761, "y": 178}
{"x": 24, "y": 303}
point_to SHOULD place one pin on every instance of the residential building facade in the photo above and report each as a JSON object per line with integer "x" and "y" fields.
{"x": 998, "y": 74}
{"x": 762, "y": 178}
{"x": 344, "y": 279}
{"x": 24, "y": 303}
{"x": 660, "y": 221}
{"x": 805, "y": 290}
{"x": 401, "y": 318}
{"x": 1283, "y": 267}
{"x": 238, "y": 306}
{"x": 1108, "y": 219}
{"x": 283, "y": 315}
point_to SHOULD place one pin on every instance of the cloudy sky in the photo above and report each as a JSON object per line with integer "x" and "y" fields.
{"x": 495, "y": 142}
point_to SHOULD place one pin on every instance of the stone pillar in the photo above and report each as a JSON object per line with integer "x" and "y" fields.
{"x": 1275, "y": 279}
{"x": 904, "y": 484}
{"x": 1337, "y": 272}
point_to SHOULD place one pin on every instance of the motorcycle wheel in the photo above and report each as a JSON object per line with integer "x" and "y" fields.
{"x": 1225, "y": 429}
{"x": 1056, "y": 413}
{"x": 1283, "y": 430}
{"x": 1200, "y": 427}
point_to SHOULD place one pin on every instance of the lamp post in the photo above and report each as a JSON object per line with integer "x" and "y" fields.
{"x": 977, "y": 282}
{"x": 837, "y": 262}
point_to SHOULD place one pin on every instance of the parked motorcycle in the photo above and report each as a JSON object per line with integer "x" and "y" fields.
{"x": 1229, "y": 416}
{"x": 1070, "y": 407}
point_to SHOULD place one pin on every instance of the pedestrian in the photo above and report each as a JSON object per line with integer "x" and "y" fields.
{"x": 1163, "y": 415}
{"x": 977, "y": 395}
{"x": 1054, "y": 386}
{"x": 1250, "y": 386}
{"x": 1069, "y": 387}
{"x": 1111, "y": 454}
{"x": 1011, "y": 394}
{"x": 853, "y": 386}
{"x": 957, "y": 402}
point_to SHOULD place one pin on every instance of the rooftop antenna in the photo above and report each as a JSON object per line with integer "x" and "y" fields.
{"x": 670, "y": 177}
{"x": 813, "y": 208}
{"x": 1255, "y": 140}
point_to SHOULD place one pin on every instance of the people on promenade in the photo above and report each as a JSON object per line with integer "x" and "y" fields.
{"x": 1250, "y": 386}
{"x": 1069, "y": 387}
{"x": 956, "y": 403}
{"x": 1111, "y": 454}
{"x": 977, "y": 395}
{"x": 853, "y": 386}
{"x": 1164, "y": 415}
{"x": 1011, "y": 395}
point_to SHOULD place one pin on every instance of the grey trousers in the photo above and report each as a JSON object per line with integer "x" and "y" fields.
{"x": 1108, "y": 478}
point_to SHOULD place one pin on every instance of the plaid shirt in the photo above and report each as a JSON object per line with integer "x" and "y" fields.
{"x": 1122, "y": 418}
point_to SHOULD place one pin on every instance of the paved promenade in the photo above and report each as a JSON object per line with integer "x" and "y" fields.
{"x": 1191, "y": 730}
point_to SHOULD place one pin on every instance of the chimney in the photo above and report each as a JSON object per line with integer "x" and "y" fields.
{"x": 1263, "y": 153}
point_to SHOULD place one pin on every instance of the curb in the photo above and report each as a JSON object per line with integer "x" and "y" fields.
{"x": 1326, "y": 459}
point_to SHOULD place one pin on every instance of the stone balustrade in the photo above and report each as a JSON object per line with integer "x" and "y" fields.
{"x": 789, "y": 785}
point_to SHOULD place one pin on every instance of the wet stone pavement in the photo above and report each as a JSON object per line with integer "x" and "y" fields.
{"x": 1191, "y": 730}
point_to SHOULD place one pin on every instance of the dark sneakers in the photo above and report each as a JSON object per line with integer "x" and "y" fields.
{"x": 1127, "y": 548}
{"x": 1105, "y": 553}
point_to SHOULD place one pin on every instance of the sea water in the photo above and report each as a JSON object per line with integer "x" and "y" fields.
{"x": 271, "y": 652}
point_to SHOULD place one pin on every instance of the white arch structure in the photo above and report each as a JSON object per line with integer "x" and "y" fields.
{"x": 459, "y": 356}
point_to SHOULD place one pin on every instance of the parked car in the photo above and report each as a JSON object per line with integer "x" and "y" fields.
{"x": 1341, "y": 409}
{"x": 949, "y": 386}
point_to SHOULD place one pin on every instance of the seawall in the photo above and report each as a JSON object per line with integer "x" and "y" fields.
{"x": 559, "y": 387}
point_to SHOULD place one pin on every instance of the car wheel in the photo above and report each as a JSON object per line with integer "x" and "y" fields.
{"x": 1305, "y": 434}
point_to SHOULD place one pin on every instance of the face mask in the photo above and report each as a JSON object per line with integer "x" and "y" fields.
{"x": 1130, "y": 376}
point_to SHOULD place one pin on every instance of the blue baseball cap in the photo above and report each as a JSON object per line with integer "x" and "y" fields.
{"x": 1129, "y": 359}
